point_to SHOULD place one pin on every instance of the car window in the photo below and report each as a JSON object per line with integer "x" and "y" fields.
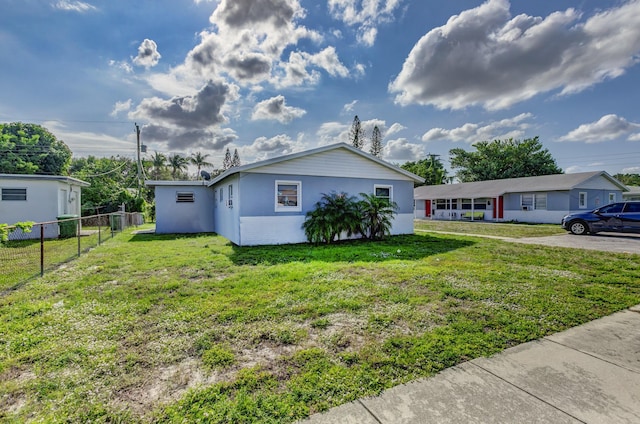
{"x": 632, "y": 207}
{"x": 614, "y": 208}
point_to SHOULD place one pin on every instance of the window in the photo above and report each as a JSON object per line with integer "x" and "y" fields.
{"x": 185, "y": 197}
{"x": 466, "y": 204}
{"x": 383, "y": 192}
{"x": 480, "y": 204}
{"x": 612, "y": 197}
{"x": 230, "y": 192}
{"x": 14, "y": 194}
{"x": 288, "y": 196}
{"x": 632, "y": 207}
{"x": 446, "y": 203}
{"x": 221, "y": 194}
{"x": 582, "y": 200}
{"x": 531, "y": 201}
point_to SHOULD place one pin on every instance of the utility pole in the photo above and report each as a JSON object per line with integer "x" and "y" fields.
{"x": 138, "y": 158}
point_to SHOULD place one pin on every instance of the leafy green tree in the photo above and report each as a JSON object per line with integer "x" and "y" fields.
{"x": 356, "y": 133}
{"x": 377, "y": 215}
{"x": 178, "y": 165}
{"x": 628, "y": 179}
{"x": 333, "y": 215}
{"x": 501, "y": 159}
{"x": 113, "y": 181}
{"x": 32, "y": 149}
{"x": 227, "y": 162}
{"x": 430, "y": 168}
{"x": 236, "y": 158}
{"x": 199, "y": 160}
{"x": 376, "y": 142}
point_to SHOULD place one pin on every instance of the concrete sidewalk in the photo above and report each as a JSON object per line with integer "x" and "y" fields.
{"x": 587, "y": 374}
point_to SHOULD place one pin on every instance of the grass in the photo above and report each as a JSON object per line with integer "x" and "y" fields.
{"x": 513, "y": 230}
{"x": 166, "y": 328}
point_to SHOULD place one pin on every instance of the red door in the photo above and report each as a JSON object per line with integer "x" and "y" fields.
{"x": 427, "y": 208}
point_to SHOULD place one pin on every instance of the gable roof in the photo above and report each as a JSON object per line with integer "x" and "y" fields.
{"x": 36, "y": 177}
{"x": 495, "y": 188}
{"x": 333, "y": 147}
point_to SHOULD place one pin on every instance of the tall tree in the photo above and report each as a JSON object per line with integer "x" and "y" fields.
{"x": 376, "y": 142}
{"x": 356, "y": 134}
{"x": 199, "y": 160}
{"x": 501, "y": 159}
{"x": 158, "y": 164}
{"x": 628, "y": 179}
{"x": 178, "y": 165}
{"x": 227, "y": 162}
{"x": 236, "y": 158}
{"x": 430, "y": 168}
{"x": 32, "y": 149}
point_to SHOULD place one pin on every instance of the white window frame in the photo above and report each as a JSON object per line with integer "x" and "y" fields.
{"x": 282, "y": 208}
{"x": 582, "y": 200}
{"x": 533, "y": 201}
{"x": 537, "y": 201}
{"x": 13, "y": 197}
{"x": 612, "y": 197}
{"x": 387, "y": 186}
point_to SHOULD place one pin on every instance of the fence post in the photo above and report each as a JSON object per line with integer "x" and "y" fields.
{"x": 99, "y": 230}
{"x": 78, "y": 224}
{"x": 41, "y": 250}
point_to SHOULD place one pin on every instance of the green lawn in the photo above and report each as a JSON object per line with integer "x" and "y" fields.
{"x": 152, "y": 328}
{"x": 490, "y": 228}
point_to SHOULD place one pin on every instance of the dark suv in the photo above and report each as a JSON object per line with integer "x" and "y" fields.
{"x": 621, "y": 216}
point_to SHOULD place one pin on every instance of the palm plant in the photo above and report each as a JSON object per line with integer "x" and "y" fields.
{"x": 377, "y": 214}
{"x": 158, "y": 162}
{"x": 333, "y": 215}
{"x": 199, "y": 160}
{"x": 178, "y": 164}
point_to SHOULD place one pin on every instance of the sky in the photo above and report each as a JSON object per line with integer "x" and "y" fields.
{"x": 272, "y": 77}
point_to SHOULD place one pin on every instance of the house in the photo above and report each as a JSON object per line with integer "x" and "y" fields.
{"x": 39, "y": 198}
{"x": 542, "y": 199}
{"x": 632, "y": 194}
{"x": 266, "y": 202}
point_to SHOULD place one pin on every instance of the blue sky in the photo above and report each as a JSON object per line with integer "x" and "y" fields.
{"x": 271, "y": 77}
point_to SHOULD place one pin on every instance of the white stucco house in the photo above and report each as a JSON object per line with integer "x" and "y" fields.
{"x": 266, "y": 202}
{"x": 39, "y": 198}
{"x": 542, "y": 199}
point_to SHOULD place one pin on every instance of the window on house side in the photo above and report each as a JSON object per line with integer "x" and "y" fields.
{"x": 540, "y": 201}
{"x": 582, "y": 200}
{"x": 230, "y": 192}
{"x": 14, "y": 194}
{"x": 383, "y": 192}
{"x": 612, "y": 197}
{"x": 185, "y": 197}
{"x": 288, "y": 196}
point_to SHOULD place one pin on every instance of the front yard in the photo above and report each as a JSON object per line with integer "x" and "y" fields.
{"x": 153, "y": 328}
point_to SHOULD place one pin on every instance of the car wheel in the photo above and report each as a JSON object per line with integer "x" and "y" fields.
{"x": 578, "y": 228}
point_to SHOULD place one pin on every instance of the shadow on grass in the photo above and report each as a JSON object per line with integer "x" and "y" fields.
{"x": 150, "y": 236}
{"x": 406, "y": 247}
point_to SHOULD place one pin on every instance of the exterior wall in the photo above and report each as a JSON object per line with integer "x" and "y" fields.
{"x": 46, "y": 200}
{"x": 173, "y": 217}
{"x": 261, "y": 224}
{"x": 227, "y": 216}
{"x": 595, "y": 198}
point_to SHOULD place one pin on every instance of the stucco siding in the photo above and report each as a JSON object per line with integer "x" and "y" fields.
{"x": 598, "y": 182}
{"x": 595, "y": 198}
{"x": 227, "y": 214}
{"x": 187, "y": 217}
{"x": 535, "y": 216}
{"x": 333, "y": 163}
{"x": 258, "y": 230}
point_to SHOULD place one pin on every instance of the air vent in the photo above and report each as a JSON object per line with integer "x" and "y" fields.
{"x": 185, "y": 197}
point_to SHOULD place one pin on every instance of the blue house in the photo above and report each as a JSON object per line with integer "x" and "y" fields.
{"x": 266, "y": 202}
{"x": 542, "y": 199}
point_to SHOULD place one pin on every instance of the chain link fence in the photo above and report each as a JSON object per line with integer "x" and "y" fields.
{"x": 27, "y": 254}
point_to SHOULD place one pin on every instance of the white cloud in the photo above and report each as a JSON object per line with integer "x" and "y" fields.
{"x": 400, "y": 150}
{"x": 74, "y": 6}
{"x": 484, "y": 56}
{"x": 364, "y": 15}
{"x": 276, "y": 109}
{"x": 394, "y": 128}
{"x": 148, "y": 55}
{"x": 470, "y": 133}
{"x": 265, "y": 148}
{"x": 121, "y": 107}
{"x": 332, "y": 132}
{"x": 123, "y": 66}
{"x": 349, "y": 106}
{"x": 85, "y": 143}
{"x": 609, "y": 127}
{"x": 631, "y": 170}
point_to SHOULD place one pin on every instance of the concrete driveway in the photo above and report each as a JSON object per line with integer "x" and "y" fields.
{"x": 605, "y": 242}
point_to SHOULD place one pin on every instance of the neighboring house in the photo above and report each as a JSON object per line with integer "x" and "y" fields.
{"x": 266, "y": 202}
{"x": 39, "y": 198}
{"x": 543, "y": 199}
{"x": 632, "y": 194}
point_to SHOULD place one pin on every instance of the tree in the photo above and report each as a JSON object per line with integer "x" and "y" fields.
{"x": 356, "y": 134}
{"x": 178, "y": 165}
{"x": 227, "y": 162}
{"x": 430, "y": 168}
{"x": 199, "y": 160}
{"x": 501, "y": 159}
{"x": 236, "y": 158}
{"x": 333, "y": 215}
{"x": 32, "y": 149}
{"x": 159, "y": 165}
{"x": 377, "y": 214}
{"x": 628, "y": 179}
{"x": 376, "y": 142}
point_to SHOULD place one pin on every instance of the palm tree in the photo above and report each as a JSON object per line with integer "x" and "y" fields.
{"x": 333, "y": 215}
{"x": 158, "y": 161}
{"x": 178, "y": 164}
{"x": 199, "y": 160}
{"x": 377, "y": 213}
